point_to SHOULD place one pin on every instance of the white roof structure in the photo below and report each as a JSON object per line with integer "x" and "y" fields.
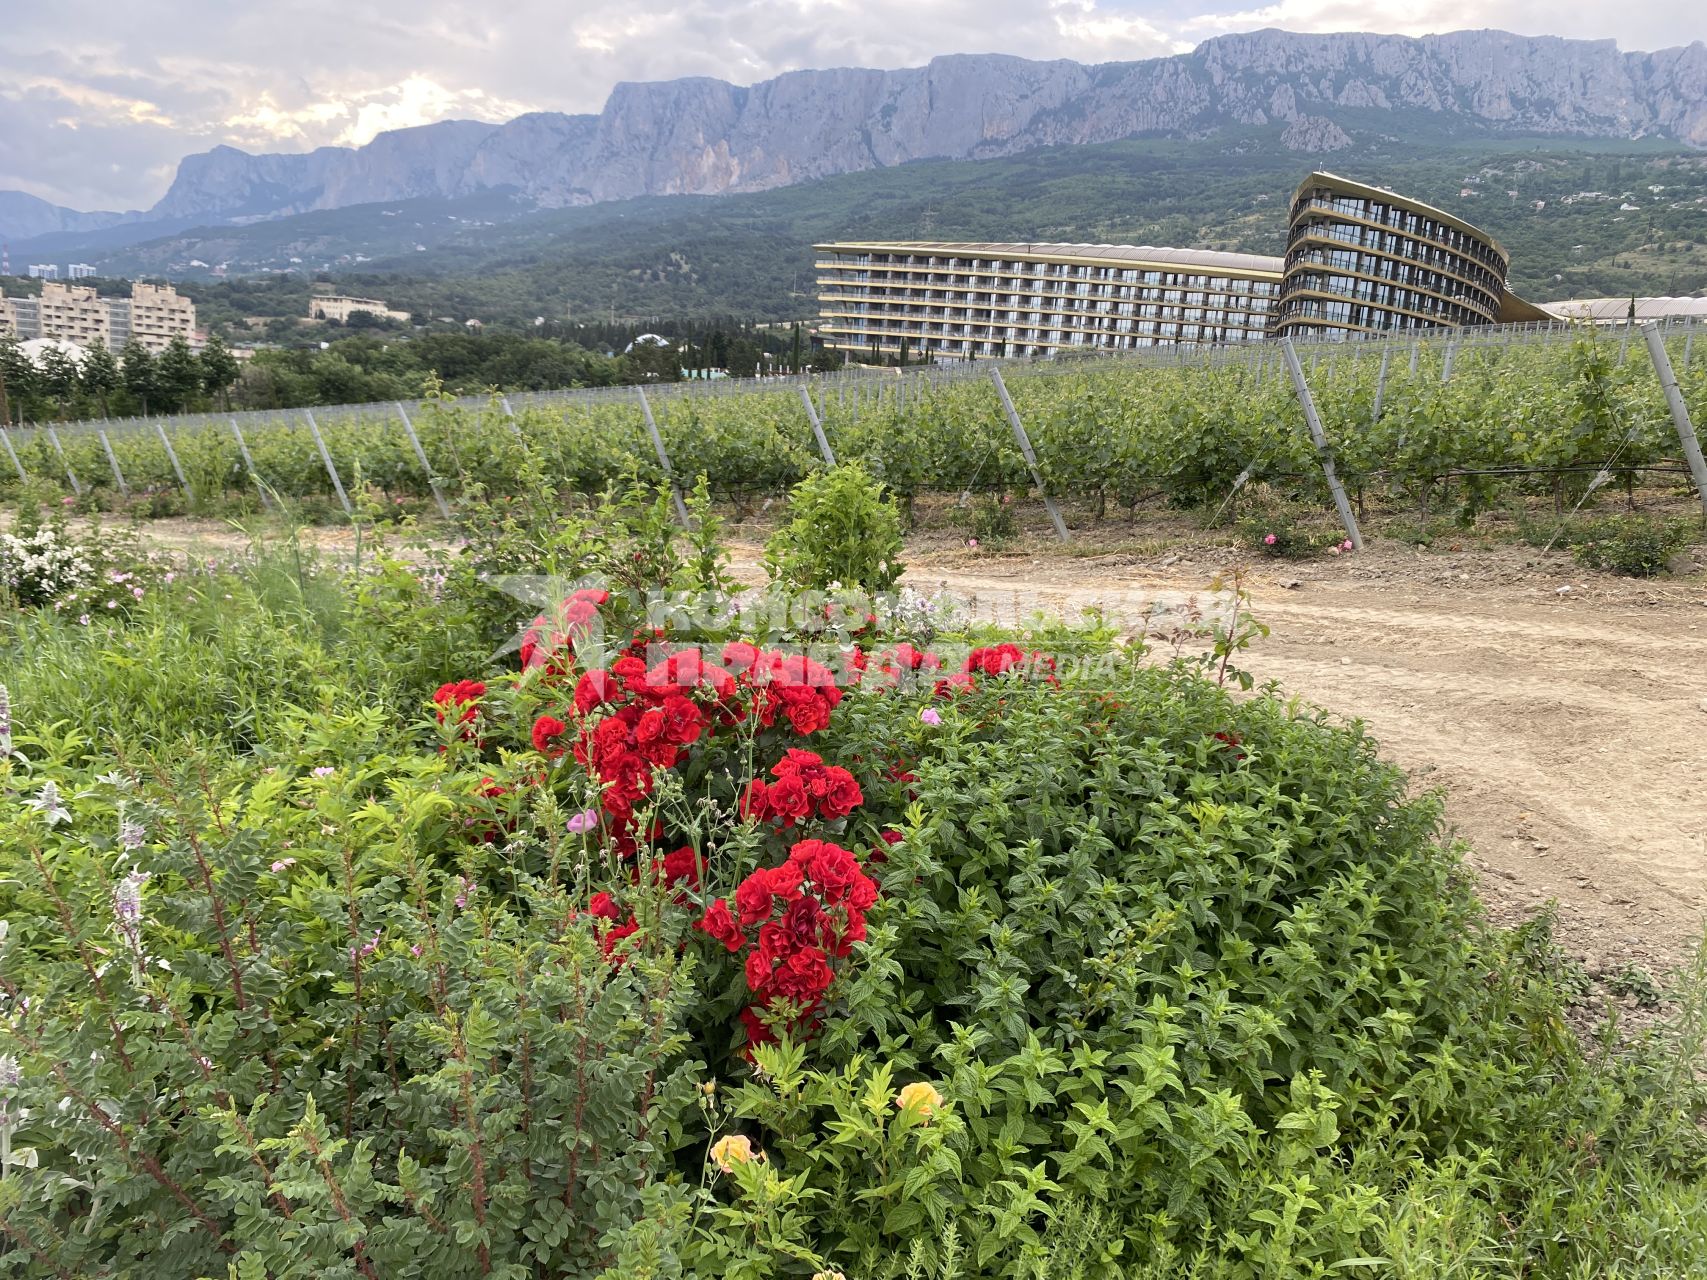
{"x": 35, "y": 348}
{"x": 1614, "y": 310}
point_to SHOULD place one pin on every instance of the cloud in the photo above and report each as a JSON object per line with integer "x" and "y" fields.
{"x": 97, "y": 101}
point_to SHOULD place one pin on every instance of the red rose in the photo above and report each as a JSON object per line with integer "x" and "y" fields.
{"x": 547, "y": 733}
{"x": 803, "y": 976}
{"x": 719, "y": 924}
{"x": 604, "y": 906}
{"x": 683, "y": 720}
{"x": 787, "y": 799}
{"x": 681, "y": 864}
{"x": 593, "y": 689}
{"x": 753, "y": 899}
{"x": 844, "y": 795}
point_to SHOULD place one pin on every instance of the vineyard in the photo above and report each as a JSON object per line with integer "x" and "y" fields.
{"x": 1473, "y": 417}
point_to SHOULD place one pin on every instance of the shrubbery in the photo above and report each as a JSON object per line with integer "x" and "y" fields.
{"x": 1634, "y": 546}
{"x": 1002, "y": 956}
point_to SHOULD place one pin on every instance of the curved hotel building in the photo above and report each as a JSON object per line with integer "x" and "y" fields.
{"x": 1359, "y": 261}
{"x": 1363, "y": 260}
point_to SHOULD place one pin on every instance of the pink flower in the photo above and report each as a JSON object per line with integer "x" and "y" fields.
{"x": 972, "y": 544}
{"x": 68, "y": 502}
{"x": 583, "y": 822}
{"x": 137, "y": 592}
{"x": 284, "y": 863}
{"x": 1270, "y": 540}
{"x": 324, "y": 771}
{"x": 930, "y": 715}
{"x": 1346, "y": 545}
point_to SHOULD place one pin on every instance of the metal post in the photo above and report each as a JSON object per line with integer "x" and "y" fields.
{"x": 1446, "y": 364}
{"x": 1381, "y": 381}
{"x": 817, "y": 427}
{"x": 113, "y": 462}
{"x": 1321, "y": 439}
{"x": 421, "y": 454}
{"x": 511, "y": 415}
{"x": 6, "y": 439}
{"x": 1414, "y": 351}
{"x": 1679, "y": 411}
{"x": 1030, "y": 457}
{"x": 76, "y": 484}
{"x": 326, "y": 457}
{"x": 249, "y": 464}
{"x": 172, "y": 456}
{"x": 663, "y": 458}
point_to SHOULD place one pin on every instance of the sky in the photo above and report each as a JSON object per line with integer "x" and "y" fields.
{"x": 100, "y": 99}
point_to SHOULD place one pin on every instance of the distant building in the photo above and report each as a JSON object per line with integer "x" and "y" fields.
{"x": 79, "y": 271}
{"x": 153, "y": 315}
{"x": 332, "y": 306}
{"x": 43, "y": 271}
{"x": 1360, "y": 261}
{"x": 963, "y": 301}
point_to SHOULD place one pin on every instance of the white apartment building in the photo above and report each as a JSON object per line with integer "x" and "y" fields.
{"x": 959, "y": 301}
{"x": 153, "y": 315}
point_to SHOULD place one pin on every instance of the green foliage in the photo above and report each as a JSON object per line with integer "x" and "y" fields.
{"x": 1630, "y": 545}
{"x": 842, "y": 530}
{"x": 1163, "y": 979}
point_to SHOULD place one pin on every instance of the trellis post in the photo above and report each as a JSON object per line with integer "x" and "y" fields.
{"x": 76, "y": 484}
{"x": 249, "y": 464}
{"x": 1679, "y": 411}
{"x": 817, "y": 427}
{"x": 1321, "y": 439}
{"x": 1415, "y": 351}
{"x": 421, "y": 456}
{"x": 113, "y": 462}
{"x": 6, "y": 439}
{"x": 1446, "y": 364}
{"x": 172, "y": 457}
{"x": 1030, "y": 457}
{"x": 663, "y": 459}
{"x": 511, "y": 415}
{"x": 326, "y": 457}
{"x": 1381, "y": 380}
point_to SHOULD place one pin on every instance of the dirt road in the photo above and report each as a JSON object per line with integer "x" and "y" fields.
{"x": 1568, "y": 728}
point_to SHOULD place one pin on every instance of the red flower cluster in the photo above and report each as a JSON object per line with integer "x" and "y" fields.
{"x": 552, "y": 645}
{"x": 602, "y": 907}
{"x": 807, "y": 910}
{"x": 892, "y": 668}
{"x": 998, "y": 660}
{"x": 804, "y": 786}
{"x": 460, "y": 699}
{"x": 787, "y": 685}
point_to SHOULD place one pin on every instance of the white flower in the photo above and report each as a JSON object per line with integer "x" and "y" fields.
{"x": 47, "y": 803}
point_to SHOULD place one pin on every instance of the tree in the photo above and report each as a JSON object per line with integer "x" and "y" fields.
{"x": 141, "y": 381}
{"x": 219, "y": 369}
{"x": 58, "y": 378}
{"x": 17, "y": 381}
{"x": 99, "y": 377}
{"x": 179, "y": 375}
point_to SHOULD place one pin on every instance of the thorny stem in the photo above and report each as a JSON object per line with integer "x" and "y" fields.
{"x": 24, "y": 1242}
{"x": 338, "y": 1201}
{"x": 476, "y": 1149}
{"x": 71, "y": 931}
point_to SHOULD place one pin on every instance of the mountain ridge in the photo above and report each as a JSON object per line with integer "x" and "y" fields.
{"x": 704, "y": 136}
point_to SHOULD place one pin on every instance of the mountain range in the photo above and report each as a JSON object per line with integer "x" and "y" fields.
{"x": 702, "y": 136}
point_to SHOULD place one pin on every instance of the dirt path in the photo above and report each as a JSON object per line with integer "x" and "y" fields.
{"x": 1568, "y": 729}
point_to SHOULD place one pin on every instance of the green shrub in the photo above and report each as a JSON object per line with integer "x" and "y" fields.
{"x": 1629, "y": 545}
{"x": 841, "y": 528}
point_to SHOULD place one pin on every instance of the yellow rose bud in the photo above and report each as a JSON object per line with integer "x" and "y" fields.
{"x": 922, "y": 1097}
{"x": 828, "y": 1275}
{"x": 708, "y": 1088}
{"x": 734, "y": 1149}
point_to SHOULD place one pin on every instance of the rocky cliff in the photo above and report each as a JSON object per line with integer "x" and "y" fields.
{"x": 704, "y": 136}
